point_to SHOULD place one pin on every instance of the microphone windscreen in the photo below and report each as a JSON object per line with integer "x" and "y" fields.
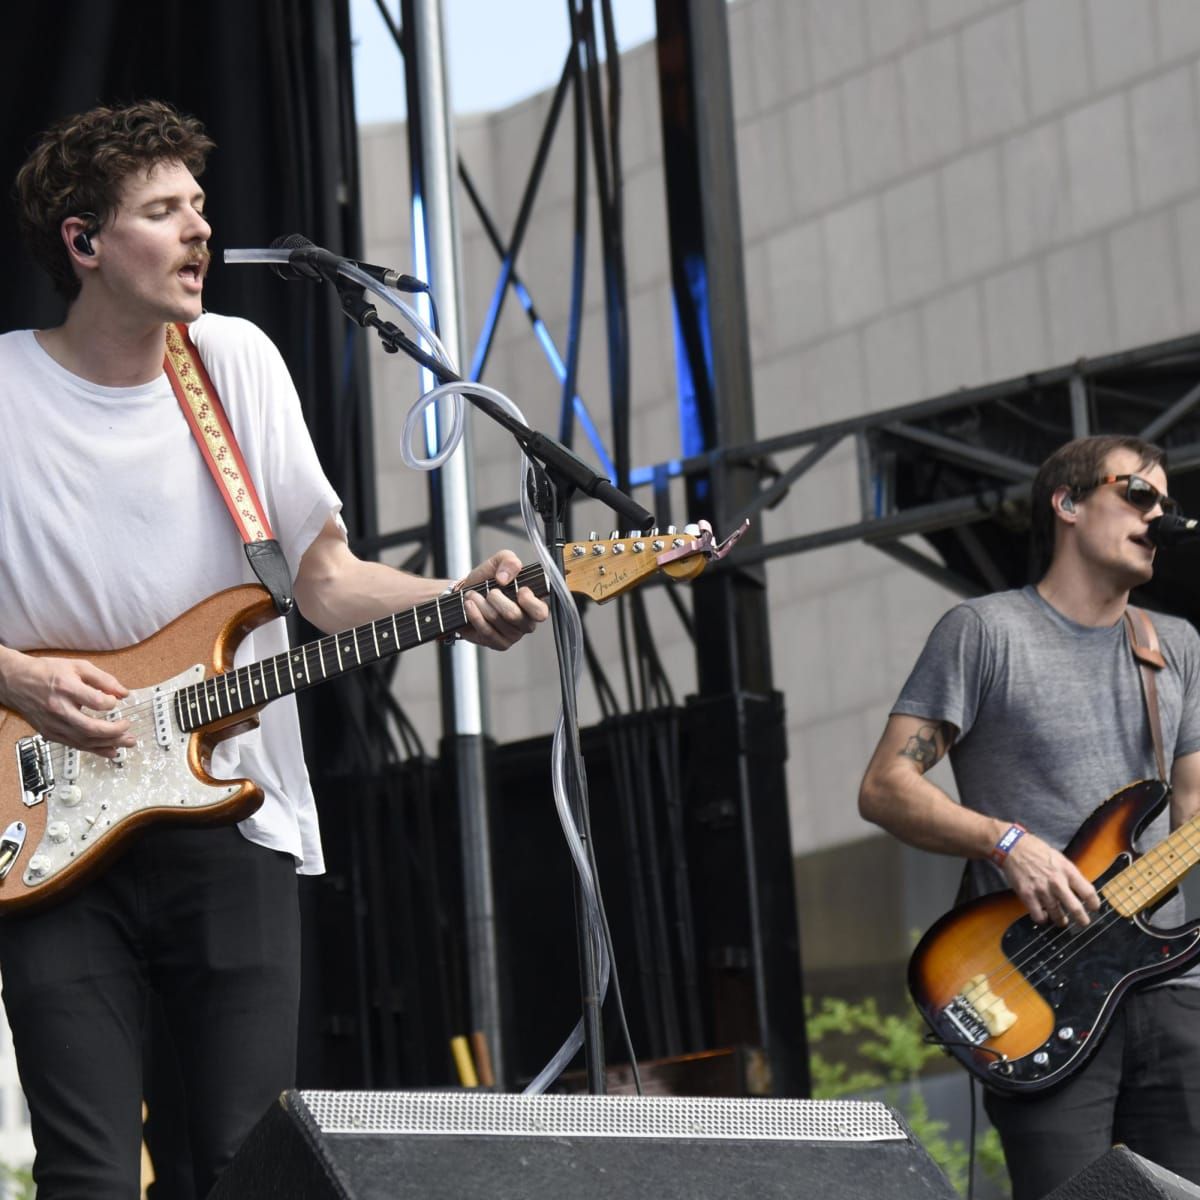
{"x": 1170, "y": 530}
{"x": 293, "y": 241}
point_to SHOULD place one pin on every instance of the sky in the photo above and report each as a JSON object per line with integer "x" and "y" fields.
{"x": 498, "y": 51}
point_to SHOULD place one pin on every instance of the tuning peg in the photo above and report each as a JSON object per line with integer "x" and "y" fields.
{"x": 692, "y": 529}
{"x": 671, "y": 529}
{"x": 616, "y": 533}
{"x": 593, "y": 535}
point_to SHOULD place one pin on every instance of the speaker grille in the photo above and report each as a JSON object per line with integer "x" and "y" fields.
{"x": 602, "y": 1116}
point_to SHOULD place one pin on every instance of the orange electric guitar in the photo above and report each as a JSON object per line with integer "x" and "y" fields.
{"x": 64, "y": 812}
{"x": 1023, "y": 1006}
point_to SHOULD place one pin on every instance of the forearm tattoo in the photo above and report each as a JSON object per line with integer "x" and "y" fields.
{"x": 922, "y": 747}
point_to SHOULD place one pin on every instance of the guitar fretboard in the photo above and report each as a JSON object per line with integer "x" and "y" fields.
{"x": 1146, "y": 881}
{"x": 258, "y": 683}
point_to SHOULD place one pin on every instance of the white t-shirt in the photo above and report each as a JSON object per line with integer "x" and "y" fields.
{"x": 111, "y": 526}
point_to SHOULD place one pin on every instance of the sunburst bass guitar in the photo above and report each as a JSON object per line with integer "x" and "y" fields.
{"x": 1023, "y": 1006}
{"x": 65, "y": 813}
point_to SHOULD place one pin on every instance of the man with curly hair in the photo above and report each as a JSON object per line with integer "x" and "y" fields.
{"x": 111, "y": 527}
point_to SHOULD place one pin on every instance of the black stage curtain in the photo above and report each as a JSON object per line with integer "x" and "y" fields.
{"x": 271, "y": 81}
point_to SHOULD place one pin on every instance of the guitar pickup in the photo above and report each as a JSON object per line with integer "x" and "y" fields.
{"x": 162, "y": 718}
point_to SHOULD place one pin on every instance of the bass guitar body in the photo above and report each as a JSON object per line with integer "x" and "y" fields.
{"x": 1023, "y": 1006}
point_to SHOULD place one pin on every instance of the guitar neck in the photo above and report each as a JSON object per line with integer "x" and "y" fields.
{"x": 1145, "y": 882}
{"x": 250, "y": 687}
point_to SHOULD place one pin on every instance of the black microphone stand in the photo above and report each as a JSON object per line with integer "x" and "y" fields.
{"x": 558, "y": 473}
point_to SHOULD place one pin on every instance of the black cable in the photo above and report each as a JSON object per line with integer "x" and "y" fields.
{"x": 971, "y": 1155}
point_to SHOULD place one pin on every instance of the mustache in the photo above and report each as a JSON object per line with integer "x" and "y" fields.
{"x": 200, "y": 257}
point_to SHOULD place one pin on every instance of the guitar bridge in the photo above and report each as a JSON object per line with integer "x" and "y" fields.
{"x": 966, "y": 1021}
{"x": 36, "y": 769}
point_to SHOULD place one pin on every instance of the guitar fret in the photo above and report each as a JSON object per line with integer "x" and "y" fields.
{"x": 229, "y": 692}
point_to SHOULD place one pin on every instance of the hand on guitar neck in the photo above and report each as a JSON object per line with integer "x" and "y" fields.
{"x": 53, "y": 692}
{"x": 497, "y": 621}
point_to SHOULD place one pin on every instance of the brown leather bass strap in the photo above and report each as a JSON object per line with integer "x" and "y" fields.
{"x": 214, "y": 435}
{"x": 1143, "y": 641}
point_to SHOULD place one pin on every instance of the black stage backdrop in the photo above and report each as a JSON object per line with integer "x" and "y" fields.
{"x": 271, "y": 81}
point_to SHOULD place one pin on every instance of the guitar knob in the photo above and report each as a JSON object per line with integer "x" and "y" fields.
{"x": 39, "y": 864}
{"x": 58, "y": 831}
{"x": 68, "y": 794}
{"x": 1041, "y": 1058}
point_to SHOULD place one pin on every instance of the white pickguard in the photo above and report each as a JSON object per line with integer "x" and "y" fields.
{"x": 150, "y": 775}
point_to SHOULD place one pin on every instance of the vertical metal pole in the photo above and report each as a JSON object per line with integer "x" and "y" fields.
{"x": 716, "y": 408}
{"x": 436, "y": 242}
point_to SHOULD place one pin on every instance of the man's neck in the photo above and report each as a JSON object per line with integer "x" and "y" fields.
{"x": 112, "y": 350}
{"x": 1083, "y": 598}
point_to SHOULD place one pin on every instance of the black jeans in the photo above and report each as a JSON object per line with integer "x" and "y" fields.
{"x": 1141, "y": 1088}
{"x": 209, "y": 924}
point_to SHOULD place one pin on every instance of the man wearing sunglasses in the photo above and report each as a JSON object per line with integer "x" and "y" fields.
{"x": 1035, "y": 696}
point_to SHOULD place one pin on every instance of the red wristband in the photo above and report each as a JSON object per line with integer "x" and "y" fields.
{"x": 1012, "y": 835}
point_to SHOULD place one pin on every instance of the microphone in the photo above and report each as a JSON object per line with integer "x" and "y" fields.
{"x": 309, "y": 261}
{"x": 1171, "y": 530}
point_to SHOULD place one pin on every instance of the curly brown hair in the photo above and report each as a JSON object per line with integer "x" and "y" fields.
{"x": 79, "y": 165}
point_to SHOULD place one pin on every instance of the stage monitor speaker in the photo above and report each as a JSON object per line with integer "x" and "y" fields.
{"x": 1123, "y": 1175}
{"x": 485, "y": 1146}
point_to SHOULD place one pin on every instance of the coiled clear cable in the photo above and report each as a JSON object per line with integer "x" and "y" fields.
{"x": 413, "y": 423}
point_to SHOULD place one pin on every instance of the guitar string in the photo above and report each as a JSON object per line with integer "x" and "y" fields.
{"x": 1079, "y": 938}
{"x": 1150, "y": 864}
{"x": 1146, "y": 867}
{"x": 141, "y": 714}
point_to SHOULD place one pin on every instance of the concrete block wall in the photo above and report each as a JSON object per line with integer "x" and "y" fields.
{"x": 935, "y": 194}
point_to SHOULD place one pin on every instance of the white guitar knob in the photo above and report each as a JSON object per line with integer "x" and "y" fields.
{"x": 68, "y": 794}
{"x": 58, "y": 831}
{"x": 39, "y": 864}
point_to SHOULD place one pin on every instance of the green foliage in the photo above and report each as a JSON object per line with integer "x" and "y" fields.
{"x": 888, "y": 1053}
{"x": 16, "y": 1183}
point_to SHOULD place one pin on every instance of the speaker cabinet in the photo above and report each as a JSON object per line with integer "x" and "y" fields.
{"x": 1123, "y": 1175}
{"x": 485, "y": 1146}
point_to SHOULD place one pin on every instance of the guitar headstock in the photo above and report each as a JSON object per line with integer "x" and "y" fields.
{"x": 604, "y": 568}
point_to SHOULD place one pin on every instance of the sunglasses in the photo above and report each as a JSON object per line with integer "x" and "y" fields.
{"x": 1142, "y": 494}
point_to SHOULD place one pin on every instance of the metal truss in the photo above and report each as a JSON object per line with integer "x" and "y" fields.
{"x": 957, "y": 469}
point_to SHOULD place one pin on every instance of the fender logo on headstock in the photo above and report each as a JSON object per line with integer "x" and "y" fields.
{"x": 604, "y": 568}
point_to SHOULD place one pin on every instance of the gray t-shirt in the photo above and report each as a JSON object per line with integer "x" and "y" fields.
{"x": 1050, "y": 715}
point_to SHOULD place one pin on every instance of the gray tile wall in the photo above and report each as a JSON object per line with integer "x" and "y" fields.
{"x": 935, "y": 194}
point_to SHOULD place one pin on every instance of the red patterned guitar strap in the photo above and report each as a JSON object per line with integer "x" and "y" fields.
{"x": 207, "y": 419}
